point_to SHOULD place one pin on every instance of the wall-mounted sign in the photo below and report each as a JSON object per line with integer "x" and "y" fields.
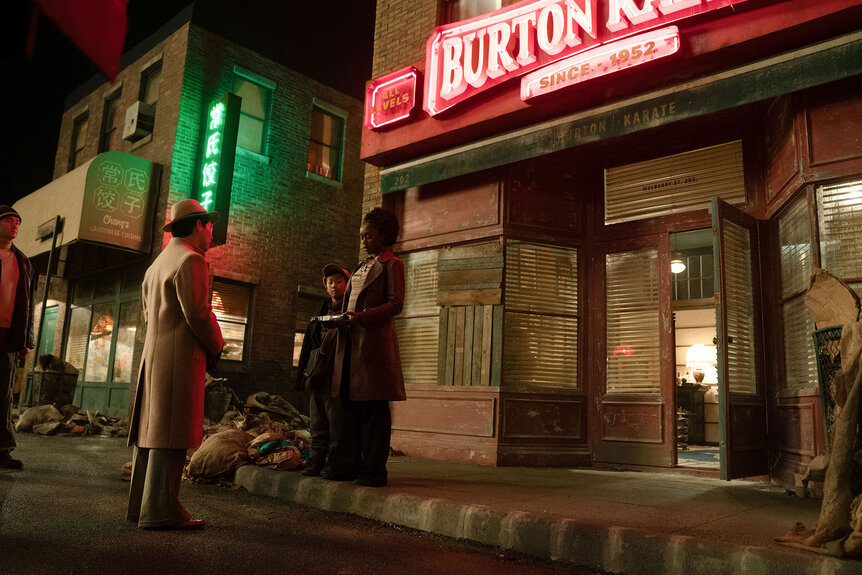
{"x": 391, "y": 98}
{"x": 466, "y": 58}
{"x": 118, "y": 201}
{"x": 218, "y": 152}
{"x": 601, "y": 61}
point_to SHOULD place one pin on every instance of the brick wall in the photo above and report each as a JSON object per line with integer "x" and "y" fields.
{"x": 283, "y": 226}
{"x": 402, "y": 28}
{"x": 159, "y": 147}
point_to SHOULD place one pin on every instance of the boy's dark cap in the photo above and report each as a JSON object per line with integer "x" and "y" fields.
{"x": 9, "y": 211}
{"x": 331, "y": 269}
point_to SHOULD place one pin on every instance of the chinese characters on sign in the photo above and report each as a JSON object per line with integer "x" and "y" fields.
{"x": 217, "y": 160}
{"x": 117, "y": 201}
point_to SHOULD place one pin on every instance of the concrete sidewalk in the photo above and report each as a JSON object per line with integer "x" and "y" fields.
{"x": 623, "y": 522}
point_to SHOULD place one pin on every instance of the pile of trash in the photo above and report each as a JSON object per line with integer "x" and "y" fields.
{"x": 839, "y": 528}
{"x": 269, "y": 432}
{"x": 48, "y": 420}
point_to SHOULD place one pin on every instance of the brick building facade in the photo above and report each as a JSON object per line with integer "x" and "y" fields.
{"x": 290, "y": 211}
{"x": 543, "y": 323}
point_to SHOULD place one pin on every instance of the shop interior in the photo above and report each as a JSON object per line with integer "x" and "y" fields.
{"x": 696, "y": 389}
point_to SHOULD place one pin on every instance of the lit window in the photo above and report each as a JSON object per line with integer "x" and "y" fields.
{"x": 457, "y": 10}
{"x": 151, "y": 80}
{"x": 254, "y": 113}
{"x": 110, "y": 123}
{"x": 79, "y": 138}
{"x": 231, "y": 303}
{"x": 326, "y": 143}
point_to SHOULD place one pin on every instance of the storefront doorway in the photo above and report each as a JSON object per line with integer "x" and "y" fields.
{"x": 681, "y": 385}
{"x": 101, "y": 338}
{"x": 696, "y": 383}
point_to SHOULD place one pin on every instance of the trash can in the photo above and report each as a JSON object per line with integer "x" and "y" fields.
{"x": 54, "y": 382}
{"x": 217, "y": 399}
{"x": 827, "y": 348}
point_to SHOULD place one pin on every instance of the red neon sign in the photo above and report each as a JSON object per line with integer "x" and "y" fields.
{"x": 601, "y": 61}
{"x": 391, "y": 98}
{"x": 466, "y": 58}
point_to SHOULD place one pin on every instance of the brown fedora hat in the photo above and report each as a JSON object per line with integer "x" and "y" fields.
{"x": 185, "y": 209}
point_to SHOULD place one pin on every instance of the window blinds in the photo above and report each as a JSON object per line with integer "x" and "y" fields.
{"x": 839, "y": 210}
{"x": 633, "y": 364}
{"x": 675, "y": 184}
{"x": 794, "y": 234}
{"x": 739, "y": 304}
{"x": 540, "y": 339}
{"x": 418, "y": 324}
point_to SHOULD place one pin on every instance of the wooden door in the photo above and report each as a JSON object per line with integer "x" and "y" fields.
{"x": 633, "y": 353}
{"x": 742, "y": 401}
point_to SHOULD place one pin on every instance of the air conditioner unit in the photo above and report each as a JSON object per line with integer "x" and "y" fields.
{"x": 139, "y": 121}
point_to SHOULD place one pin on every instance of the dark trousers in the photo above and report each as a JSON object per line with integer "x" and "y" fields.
{"x": 366, "y": 432}
{"x": 154, "y": 495}
{"x": 326, "y": 420}
{"x": 8, "y": 375}
{"x": 366, "y": 426}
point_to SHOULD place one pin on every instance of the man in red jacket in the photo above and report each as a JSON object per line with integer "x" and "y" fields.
{"x": 17, "y": 287}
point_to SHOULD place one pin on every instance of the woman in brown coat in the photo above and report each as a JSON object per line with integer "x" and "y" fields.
{"x": 367, "y": 371}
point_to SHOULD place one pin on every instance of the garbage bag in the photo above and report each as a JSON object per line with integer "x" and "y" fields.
{"x": 37, "y": 415}
{"x": 220, "y": 454}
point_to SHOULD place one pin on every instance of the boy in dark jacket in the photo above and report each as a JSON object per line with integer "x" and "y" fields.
{"x": 325, "y": 410}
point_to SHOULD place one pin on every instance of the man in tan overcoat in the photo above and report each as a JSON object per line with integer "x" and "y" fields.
{"x": 182, "y": 332}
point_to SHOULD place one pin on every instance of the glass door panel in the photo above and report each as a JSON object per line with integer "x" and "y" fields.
{"x": 125, "y": 350}
{"x": 99, "y": 345}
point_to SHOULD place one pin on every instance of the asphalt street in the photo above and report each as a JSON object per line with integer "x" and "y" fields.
{"x": 65, "y": 513}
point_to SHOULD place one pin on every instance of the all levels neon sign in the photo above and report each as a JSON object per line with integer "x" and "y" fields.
{"x": 466, "y": 58}
{"x": 217, "y": 160}
{"x": 391, "y": 98}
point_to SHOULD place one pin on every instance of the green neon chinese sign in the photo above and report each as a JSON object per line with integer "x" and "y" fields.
{"x": 218, "y": 151}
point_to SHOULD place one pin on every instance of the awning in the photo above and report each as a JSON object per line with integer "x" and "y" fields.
{"x": 108, "y": 200}
{"x": 814, "y": 65}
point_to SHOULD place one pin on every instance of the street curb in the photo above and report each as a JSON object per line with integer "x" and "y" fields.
{"x": 611, "y": 548}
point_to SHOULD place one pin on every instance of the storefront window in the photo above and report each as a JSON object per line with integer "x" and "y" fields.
{"x": 840, "y": 219}
{"x": 540, "y": 341}
{"x": 99, "y": 344}
{"x": 76, "y": 342}
{"x": 633, "y": 358}
{"x": 231, "y": 303}
{"x": 794, "y": 234}
{"x": 418, "y": 324}
{"x": 123, "y": 355}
